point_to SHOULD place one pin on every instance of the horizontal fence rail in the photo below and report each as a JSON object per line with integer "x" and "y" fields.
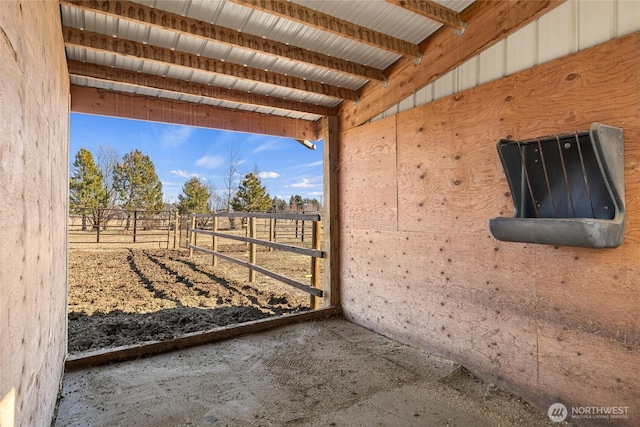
{"x": 288, "y": 227}
{"x": 119, "y": 227}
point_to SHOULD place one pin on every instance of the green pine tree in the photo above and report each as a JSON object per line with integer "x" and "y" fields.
{"x": 137, "y": 184}
{"x": 86, "y": 191}
{"x": 196, "y": 197}
{"x": 251, "y": 196}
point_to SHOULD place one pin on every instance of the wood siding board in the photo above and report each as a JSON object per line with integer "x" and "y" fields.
{"x": 373, "y": 150}
{"x": 331, "y": 229}
{"x": 488, "y": 23}
{"x": 34, "y": 180}
{"x": 418, "y": 305}
{"x": 599, "y": 365}
{"x": 569, "y": 312}
{"x": 116, "y": 104}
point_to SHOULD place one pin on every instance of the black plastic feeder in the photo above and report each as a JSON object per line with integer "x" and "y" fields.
{"x": 567, "y": 189}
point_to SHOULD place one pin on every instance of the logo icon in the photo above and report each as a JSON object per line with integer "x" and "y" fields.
{"x": 557, "y": 412}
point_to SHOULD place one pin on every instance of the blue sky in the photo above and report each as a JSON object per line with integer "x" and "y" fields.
{"x": 180, "y": 152}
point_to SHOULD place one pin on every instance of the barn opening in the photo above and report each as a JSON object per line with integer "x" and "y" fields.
{"x": 413, "y": 257}
{"x": 175, "y": 230}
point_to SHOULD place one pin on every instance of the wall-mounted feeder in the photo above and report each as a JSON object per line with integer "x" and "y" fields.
{"x": 567, "y": 189}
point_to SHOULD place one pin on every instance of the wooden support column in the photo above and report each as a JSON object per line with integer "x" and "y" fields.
{"x": 252, "y": 248}
{"x": 214, "y": 243}
{"x": 315, "y": 262}
{"x": 330, "y": 219}
{"x": 191, "y": 234}
{"x": 176, "y": 224}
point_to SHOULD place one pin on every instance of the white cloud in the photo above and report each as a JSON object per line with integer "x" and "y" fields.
{"x": 174, "y": 136}
{"x": 210, "y": 162}
{"x": 310, "y": 165}
{"x": 268, "y": 175}
{"x": 184, "y": 174}
{"x": 269, "y": 145}
{"x": 303, "y": 183}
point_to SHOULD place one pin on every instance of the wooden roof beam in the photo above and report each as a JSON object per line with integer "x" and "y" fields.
{"x": 340, "y": 27}
{"x": 432, "y": 10}
{"x": 134, "y": 78}
{"x": 190, "y": 27}
{"x": 109, "y": 44}
{"x": 489, "y": 22}
{"x": 100, "y": 102}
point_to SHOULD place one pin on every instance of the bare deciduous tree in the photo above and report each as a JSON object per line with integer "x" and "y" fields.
{"x": 231, "y": 179}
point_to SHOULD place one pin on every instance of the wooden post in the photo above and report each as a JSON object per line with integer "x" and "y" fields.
{"x": 214, "y": 243}
{"x": 331, "y": 259}
{"x": 302, "y": 231}
{"x": 252, "y": 248}
{"x": 271, "y": 232}
{"x": 98, "y": 229}
{"x": 135, "y": 225}
{"x": 176, "y": 224}
{"x": 275, "y": 227}
{"x": 191, "y": 234}
{"x": 315, "y": 263}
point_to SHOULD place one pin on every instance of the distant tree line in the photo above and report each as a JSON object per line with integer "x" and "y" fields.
{"x": 129, "y": 183}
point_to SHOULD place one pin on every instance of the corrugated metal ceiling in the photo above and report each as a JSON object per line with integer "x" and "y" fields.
{"x": 378, "y": 15}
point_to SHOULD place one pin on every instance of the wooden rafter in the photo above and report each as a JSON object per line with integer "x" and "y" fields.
{"x": 133, "y": 78}
{"x": 139, "y": 107}
{"x": 434, "y": 11}
{"x": 190, "y": 27}
{"x": 489, "y": 22}
{"x": 333, "y": 25}
{"x": 108, "y": 44}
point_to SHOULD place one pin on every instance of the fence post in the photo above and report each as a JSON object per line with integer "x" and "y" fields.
{"x": 214, "y": 243}
{"x": 252, "y": 248}
{"x": 275, "y": 227}
{"x": 192, "y": 235}
{"x": 246, "y": 230}
{"x": 315, "y": 263}
{"x": 176, "y": 220}
{"x": 302, "y": 231}
{"x": 98, "y": 229}
{"x": 135, "y": 225}
{"x": 271, "y": 232}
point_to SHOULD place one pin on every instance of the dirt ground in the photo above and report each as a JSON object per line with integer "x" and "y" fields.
{"x": 126, "y": 296}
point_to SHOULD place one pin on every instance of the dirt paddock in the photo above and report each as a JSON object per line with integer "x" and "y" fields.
{"x": 127, "y": 296}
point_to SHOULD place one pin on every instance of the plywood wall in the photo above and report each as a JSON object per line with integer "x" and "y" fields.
{"x": 418, "y": 263}
{"x": 34, "y": 120}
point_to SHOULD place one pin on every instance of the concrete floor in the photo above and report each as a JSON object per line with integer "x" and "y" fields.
{"x": 325, "y": 373}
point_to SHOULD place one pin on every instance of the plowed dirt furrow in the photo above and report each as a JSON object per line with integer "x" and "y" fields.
{"x": 126, "y": 296}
